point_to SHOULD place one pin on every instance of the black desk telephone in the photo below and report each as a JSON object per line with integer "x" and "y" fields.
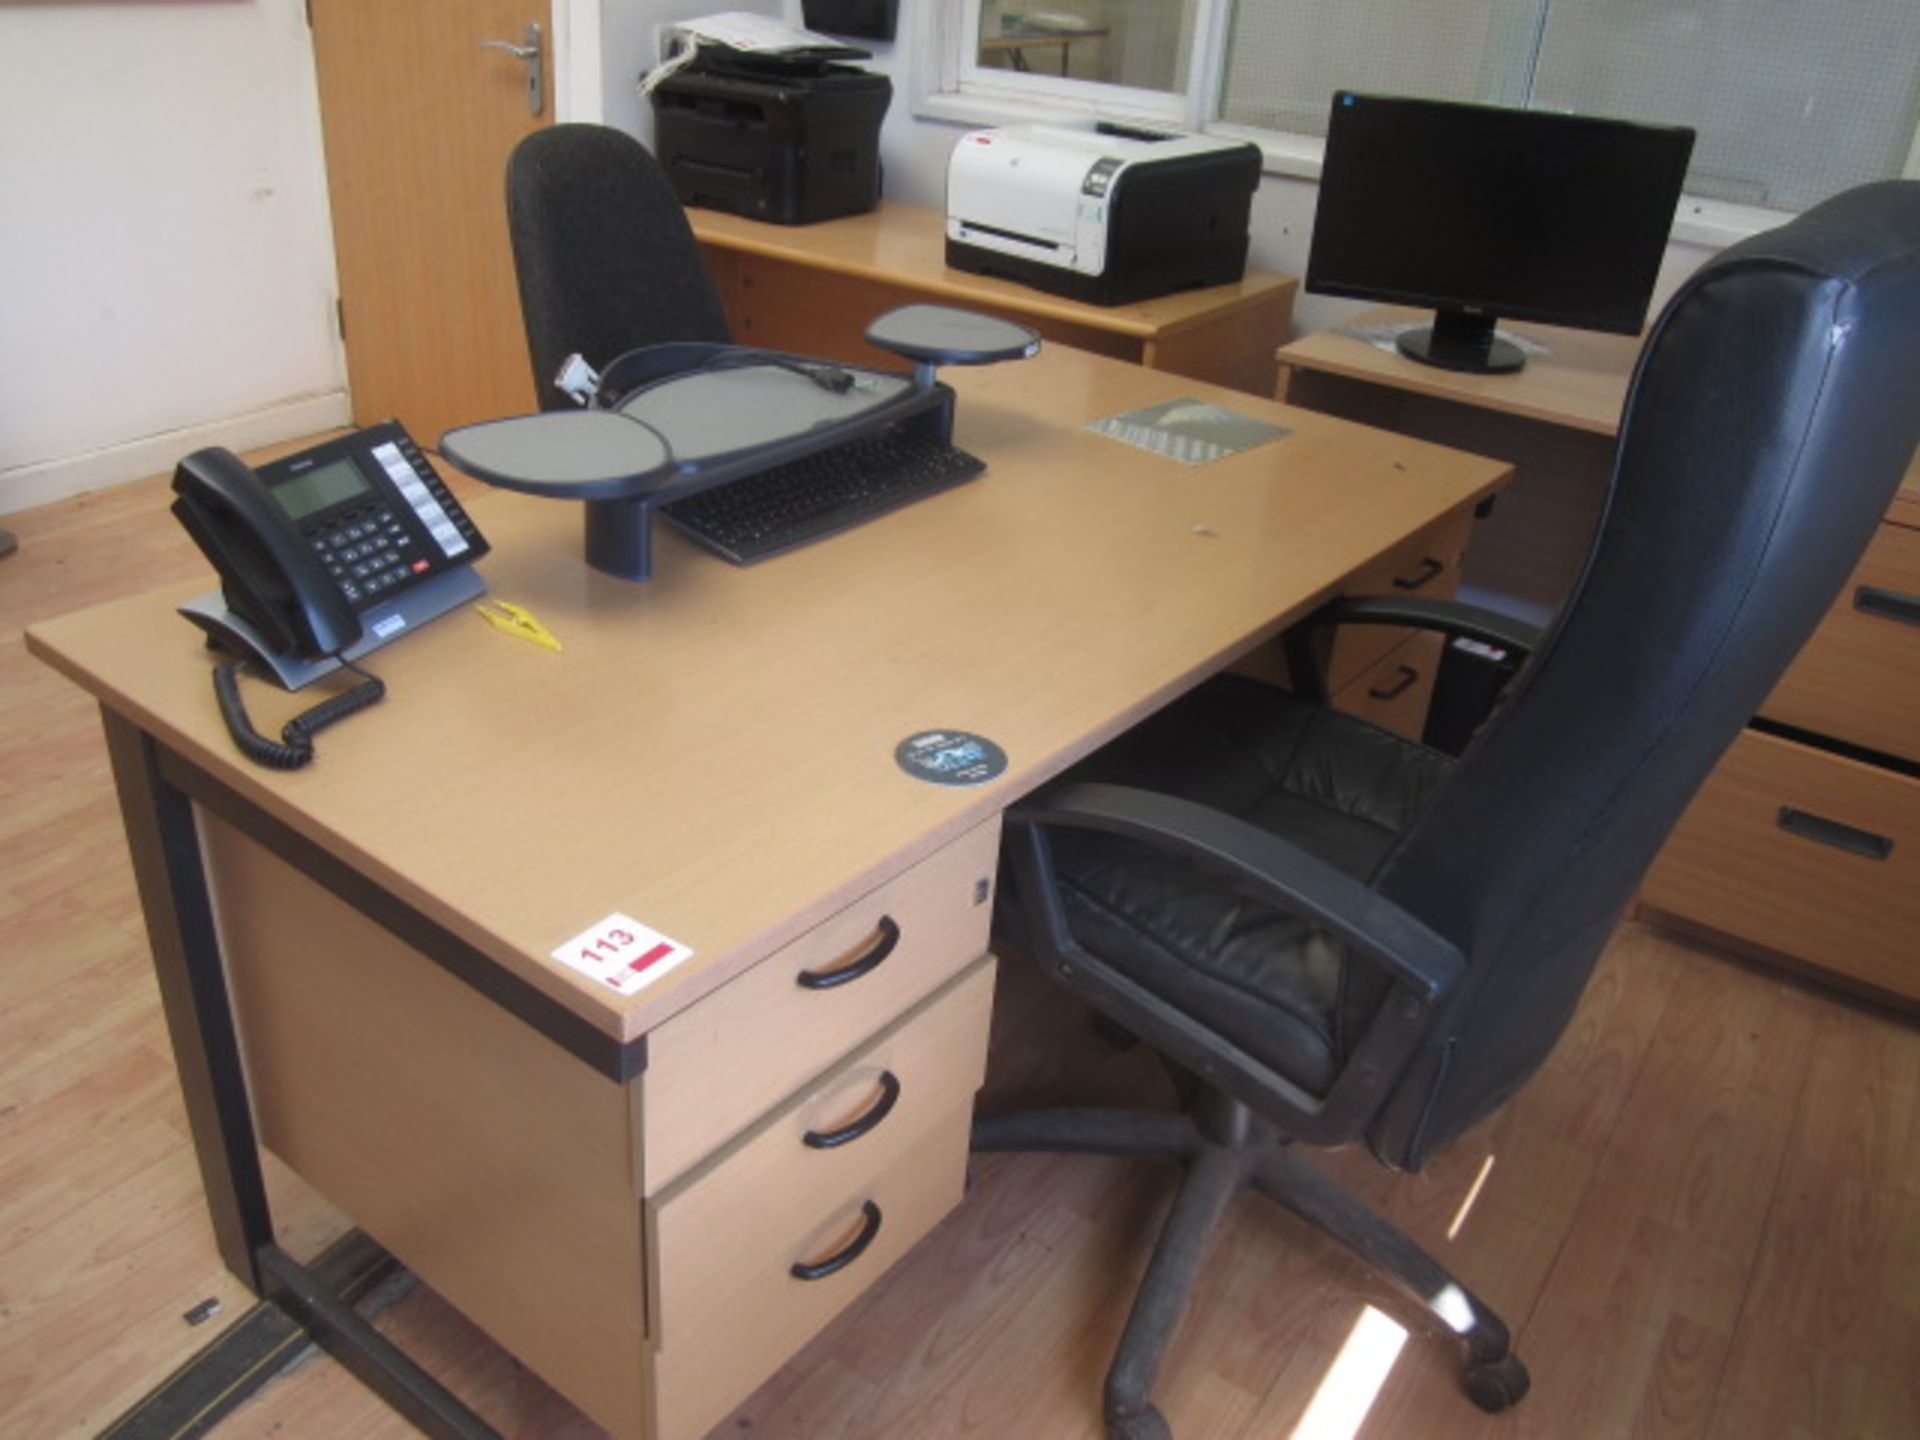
{"x": 322, "y": 556}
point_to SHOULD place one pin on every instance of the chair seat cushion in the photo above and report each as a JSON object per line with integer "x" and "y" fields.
{"x": 1277, "y": 987}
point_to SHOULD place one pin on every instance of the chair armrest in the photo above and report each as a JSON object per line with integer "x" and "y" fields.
{"x": 1425, "y": 966}
{"x": 1452, "y": 617}
{"x": 1305, "y": 661}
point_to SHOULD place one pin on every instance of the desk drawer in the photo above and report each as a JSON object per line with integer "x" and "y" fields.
{"x": 1394, "y": 693}
{"x": 1803, "y": 853}
{"x": 1858, "y": 679}
{"x": 718, "y": 1066}
{"x": 1427, "y": 565}
{"x": 724, "y": 1240}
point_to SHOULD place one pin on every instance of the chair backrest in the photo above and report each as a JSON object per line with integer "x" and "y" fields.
{"x": 604, "y": 255}
{"x": 1774, "y": 410}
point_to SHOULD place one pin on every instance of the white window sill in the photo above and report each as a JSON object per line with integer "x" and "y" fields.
{"x": 981, "y": 111}
{"x": 1715, "y": 224}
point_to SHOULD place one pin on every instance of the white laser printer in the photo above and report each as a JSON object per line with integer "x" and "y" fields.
{"x": 1107, "y": 214}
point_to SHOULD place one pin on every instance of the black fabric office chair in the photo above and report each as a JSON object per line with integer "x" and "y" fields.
{"x": 1333, "y": 934}
{"x": 604, "y": 255}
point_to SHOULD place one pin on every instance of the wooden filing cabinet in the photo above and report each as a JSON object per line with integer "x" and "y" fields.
{"x": 816, "y": 288}
{"x": 1804, "y": 844}
{"x": 635, "y": 1244}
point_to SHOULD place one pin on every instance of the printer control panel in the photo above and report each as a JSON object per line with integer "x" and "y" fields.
{"x": 1100, "y": 178}
{"x": 1090, "y": 243}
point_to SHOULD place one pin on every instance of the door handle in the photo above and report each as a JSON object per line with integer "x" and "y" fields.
{"x": 528, "y": 55}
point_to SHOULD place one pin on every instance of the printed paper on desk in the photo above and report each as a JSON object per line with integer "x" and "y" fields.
{"x": 622, "y": 954}
{"x": 758, "y": 34}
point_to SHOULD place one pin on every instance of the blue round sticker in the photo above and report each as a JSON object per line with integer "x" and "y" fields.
{"x": 950, "y": 757}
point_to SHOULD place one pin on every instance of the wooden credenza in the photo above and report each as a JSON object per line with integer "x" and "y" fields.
{"x": 1804, "y": 846}
{"x": 816, "y": 288}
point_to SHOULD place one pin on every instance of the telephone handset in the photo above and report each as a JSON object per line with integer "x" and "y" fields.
{"x": 269, "y": 576}
{"x": 322, "y": 557}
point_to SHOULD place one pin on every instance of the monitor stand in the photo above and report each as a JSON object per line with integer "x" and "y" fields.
{"x": 1459, "y": 340}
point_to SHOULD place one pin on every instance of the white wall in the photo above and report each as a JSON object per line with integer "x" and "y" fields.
{"x": 166, "y": 264}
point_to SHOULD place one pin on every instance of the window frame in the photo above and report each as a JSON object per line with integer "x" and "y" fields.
{"x": 946, "y": 86}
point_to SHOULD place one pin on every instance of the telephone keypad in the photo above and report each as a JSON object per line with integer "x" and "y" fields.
{"x": 397, "y": 530}
{"x": 366, "y": 552}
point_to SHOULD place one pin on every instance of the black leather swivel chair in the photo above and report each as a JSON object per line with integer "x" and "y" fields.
{"x": 605, "y": 258}
{"x": 1335, "y": 935}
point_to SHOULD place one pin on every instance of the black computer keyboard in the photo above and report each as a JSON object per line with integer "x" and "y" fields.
{"x": 818, "y": 495}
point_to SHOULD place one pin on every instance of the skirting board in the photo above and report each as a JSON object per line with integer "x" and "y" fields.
{"x": 29, "y": 485}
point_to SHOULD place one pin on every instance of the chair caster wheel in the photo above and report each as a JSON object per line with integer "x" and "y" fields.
{"x": 1145, "y": 1423}
{"x": 1496, "y": 1384}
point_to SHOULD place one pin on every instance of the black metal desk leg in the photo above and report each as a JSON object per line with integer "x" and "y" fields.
{"x": 165, "y": 845}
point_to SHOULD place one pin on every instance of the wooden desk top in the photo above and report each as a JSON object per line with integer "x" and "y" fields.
{"x": 1579, "y": 383}
{"x": 712, "y": 753}
{"x": 906, "y": 244}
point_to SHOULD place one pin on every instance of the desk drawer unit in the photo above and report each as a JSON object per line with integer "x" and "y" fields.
{"x": 532, "y": 1190}
{"x": 1806, "y": 854}
{"x": 765, "y": 1242}
{"x": 1858, "y": 680}
{"x": 1428, "y": 566}
{"x": 1804, "y": 844}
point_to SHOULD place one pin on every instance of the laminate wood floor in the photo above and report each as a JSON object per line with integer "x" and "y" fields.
{"x": 1701, "y": 1219}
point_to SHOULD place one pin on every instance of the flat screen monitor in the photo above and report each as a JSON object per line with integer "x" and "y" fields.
{"x": 1481, "y": 212}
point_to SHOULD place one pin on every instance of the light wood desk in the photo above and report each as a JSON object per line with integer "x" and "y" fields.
{"x": 1554, "y": 420}
{"x": 814, "y": 288}
{"x": 615, "y": 1188}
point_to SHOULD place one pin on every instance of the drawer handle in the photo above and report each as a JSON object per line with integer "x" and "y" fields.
{"x": 854, "y": 1129}
{"x": 1887, "y": 604}
{"x": 1399, "y": 687}
{"x": 889, "y": 936}
{"x": 1429, "y": 567}
{"x": 820, "y": 1269}
{"x": 1849, "y": 838}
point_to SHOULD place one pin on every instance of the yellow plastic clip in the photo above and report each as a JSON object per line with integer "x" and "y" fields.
{"x": 516, "y": 620}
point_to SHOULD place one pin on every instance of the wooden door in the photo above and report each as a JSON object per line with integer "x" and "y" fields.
{"x": 418, "y": 119}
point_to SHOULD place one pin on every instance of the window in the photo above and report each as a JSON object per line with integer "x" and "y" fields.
{"x": 1793, "y": 100}
{"x": 1126, "y": 56}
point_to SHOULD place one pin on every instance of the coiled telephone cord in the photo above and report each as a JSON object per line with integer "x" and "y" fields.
{"x": 295, "y": 747}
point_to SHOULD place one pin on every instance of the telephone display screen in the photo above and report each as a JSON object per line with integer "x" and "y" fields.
{"x": 319, "y": 488}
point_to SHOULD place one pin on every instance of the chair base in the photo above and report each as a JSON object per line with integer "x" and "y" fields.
{"x": 1223, "y": 1147}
